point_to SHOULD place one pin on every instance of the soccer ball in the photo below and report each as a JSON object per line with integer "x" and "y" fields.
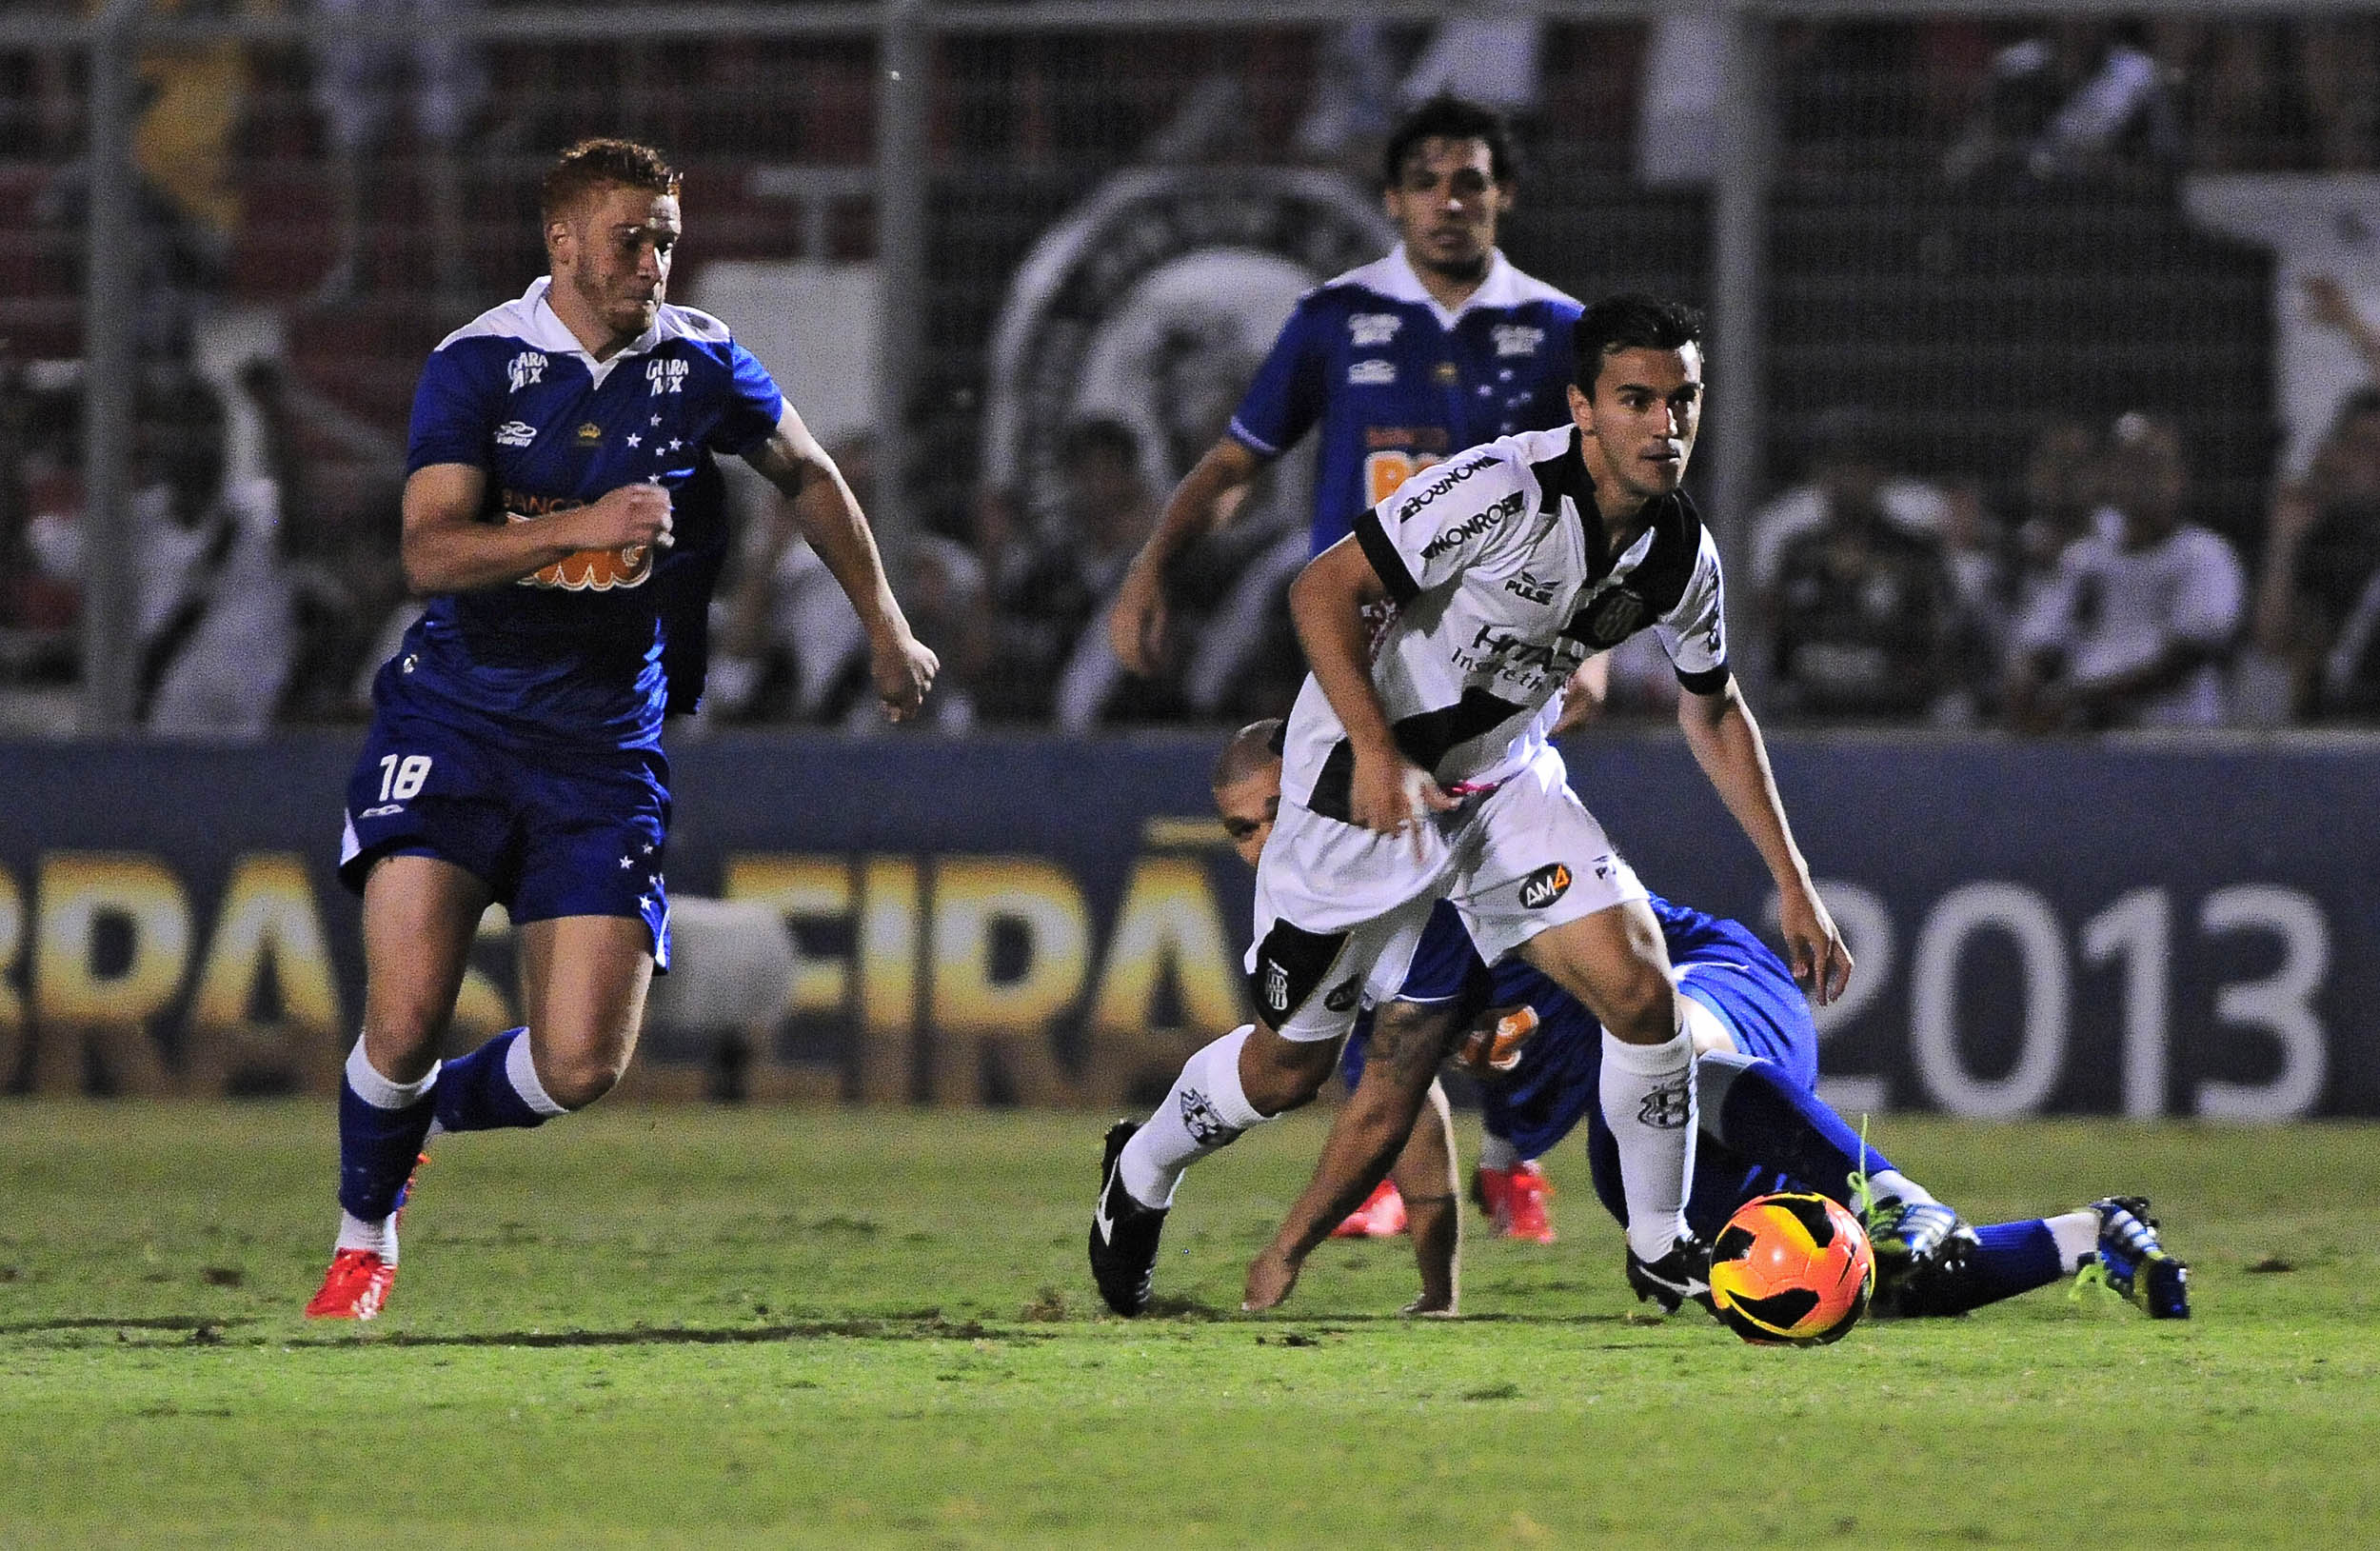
{"x": 1791, "y": 1270}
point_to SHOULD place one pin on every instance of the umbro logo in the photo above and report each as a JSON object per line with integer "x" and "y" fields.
{"x": 515, "y": 433}
{"x": 1543, "y": 887}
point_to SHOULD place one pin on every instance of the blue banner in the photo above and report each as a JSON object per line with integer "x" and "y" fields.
{"x": 2139, "y": 929}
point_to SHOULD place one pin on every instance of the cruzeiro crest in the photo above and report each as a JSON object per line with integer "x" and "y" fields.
{"x": 1153, "y": 303}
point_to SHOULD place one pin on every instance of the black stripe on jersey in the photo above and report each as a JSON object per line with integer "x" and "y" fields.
{"x": 1289, "y": 964}
{"x": 1424, "y": 739}
{"x": 1386, "y": 563}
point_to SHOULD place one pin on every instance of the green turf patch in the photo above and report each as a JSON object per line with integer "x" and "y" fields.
{"x": 666, "y": 1327}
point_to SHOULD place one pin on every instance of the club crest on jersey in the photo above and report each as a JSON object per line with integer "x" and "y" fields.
{"x": 1543, "y": 887}
{"x": 1369, "y": 331}
{"x": 1517, "y": 339}
{"x": 665, "y": 376}
{"x": 1611, "y": 617}
{"x": 1153, "y": 301}
{"x": 591, "y": 434}
{"x": 525, "y": 369}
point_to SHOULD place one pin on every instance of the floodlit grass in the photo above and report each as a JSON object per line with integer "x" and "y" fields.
{"x": 651, "y": 1326}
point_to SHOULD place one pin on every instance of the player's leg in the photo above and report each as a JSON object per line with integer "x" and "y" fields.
{"x": 582, "y": 985}
{"x": 419, "y": 917}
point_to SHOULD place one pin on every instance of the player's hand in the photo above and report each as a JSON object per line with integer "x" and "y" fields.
{"x": 1135, "y": 625}
{"x": 904, "y": 668}
{"x": 1583, "y": 695}
{"x": 1391, "y": 795}
{"x": 1271, "y": 1277}
{"x": 1492, "y": 1048}
{"x": 1812, "y": 944}
{"x": 632, "y": 514}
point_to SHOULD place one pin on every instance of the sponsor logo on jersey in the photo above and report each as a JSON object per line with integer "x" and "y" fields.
{"x": 1369, "y": 331}
{"x": 665, "y": 376}
{"x": 1526, "y": 586}
{"x": 588, "y": 570}
{"x": 1543, "y": 887}
{"x": 1372, "y": 372}
{"x": 1154, "y": 301}
{"x": 1666, "y": 1107}
{"x": 1405, "y": 438}
{"x": 515, "y": 433}
{"x": 1344, "y": 995}
{"x": 1204, "y": 1122}
{"x": 591, "y": 434}
{"x": 1450, "y": 476}
{"x": 1517, "y": 339}
{"x": 1470, "y": 528}
{"x": 526, "y": 367}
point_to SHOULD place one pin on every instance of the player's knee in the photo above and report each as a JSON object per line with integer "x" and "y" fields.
{"x": 579, "y": 1079}
{"x": 1641, "y": 1009}
{"x": 1278, "y": 1074}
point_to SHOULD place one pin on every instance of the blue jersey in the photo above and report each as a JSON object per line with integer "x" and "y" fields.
{"x": 592, "y": 649}
{"x": 1399, "y": 382}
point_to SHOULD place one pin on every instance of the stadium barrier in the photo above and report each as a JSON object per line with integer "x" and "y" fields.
{"x": 2135, "y": 928}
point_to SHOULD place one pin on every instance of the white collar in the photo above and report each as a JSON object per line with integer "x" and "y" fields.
{"x": 1395, "y": 277}
{"x": 542, "y": 326}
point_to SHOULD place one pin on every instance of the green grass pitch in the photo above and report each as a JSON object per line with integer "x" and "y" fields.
{"x": 703, "y": 1327}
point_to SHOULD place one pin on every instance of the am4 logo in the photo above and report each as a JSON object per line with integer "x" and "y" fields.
{"x": 1543, "y": 887}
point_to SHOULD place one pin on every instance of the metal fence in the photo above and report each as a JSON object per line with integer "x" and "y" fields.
{"x": 333, "y": 188}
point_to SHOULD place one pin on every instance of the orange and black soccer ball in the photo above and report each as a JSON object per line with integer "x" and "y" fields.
{"x": 1791, "y": 1270}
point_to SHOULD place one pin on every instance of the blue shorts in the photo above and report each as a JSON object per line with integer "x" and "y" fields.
{"x": 550, "y": 833}
{"x": 1446, "y": 967}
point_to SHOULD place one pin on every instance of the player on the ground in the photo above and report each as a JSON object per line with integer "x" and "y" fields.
{"x": 1423, "y": 774}
{"x": 563, "y": 513}
{"x": 1439, "y": 346}
{"x": 1536, "y": 1054}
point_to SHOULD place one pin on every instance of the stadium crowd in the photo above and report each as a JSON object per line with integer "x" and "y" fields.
{"x": 2112, "y": 563}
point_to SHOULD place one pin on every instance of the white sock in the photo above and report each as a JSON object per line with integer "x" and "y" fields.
{"x": 380, "y": 1237}
{"x": 1204, "y": 1113}
{"x": 378, "y": 1092}
{"x": 2078, "y": 1236}
{"x": 1648, "y": 1096}
{"x": 1891, "y": 1184}
{"x": 521, "y": 1071}
{"x": 1495, "y": 1153}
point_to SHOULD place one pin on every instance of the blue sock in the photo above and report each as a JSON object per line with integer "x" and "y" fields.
{"x": 1754, "y": 1110}
{"x": 483, "y": 1091}
{"x": 2015, "y": 1257}
{"x": 379, "y": 1143}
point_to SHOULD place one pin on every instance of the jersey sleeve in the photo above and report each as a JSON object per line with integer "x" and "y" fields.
{"x": 1444, "y": 520}
{"x": 2208, "y": 612}
{"x": 752, "y": 404}
{"x": 1694, "y": 632}
{"x": 1287, "y": 398}
{"x": 454, "y": 411}
{"x": 2048, "y": 623}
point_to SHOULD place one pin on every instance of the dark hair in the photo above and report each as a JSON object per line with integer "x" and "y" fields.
{"x": 1447, "y": 117}
{"x": 1632, "y": 322}
{"x": 1098, "y": 434}
{"x": 592, "y": 164}
{"x": 1250, "y": 750}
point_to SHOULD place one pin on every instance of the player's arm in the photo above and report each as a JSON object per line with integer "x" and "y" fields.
{"x": 1326, "y": 602}
{"x": 1207, "y": 498}
{"x": 447, "y": 548}
{"x": 828, "y": 514}
{"x": 1425, "y": 1177}
{"x": 1727, "y": 744}
{"x": 1370, "y": 1132}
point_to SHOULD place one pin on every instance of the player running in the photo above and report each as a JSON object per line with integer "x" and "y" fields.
{"x": 1423, "y": 773}
{"x": 1440, "y": 345}
{"x": 564, "y": 512}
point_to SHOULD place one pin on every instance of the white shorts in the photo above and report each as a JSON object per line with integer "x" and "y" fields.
{"x": 1340, "y": 908}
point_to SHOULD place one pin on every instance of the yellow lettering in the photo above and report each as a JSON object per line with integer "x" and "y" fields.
{"x": 802, "y": 887}
{"x": 888, "y": 977}
{"x": 1167, "y": 921}
{"x": 74, "y": 1002}
{"x": 973, "y": 896}
{"x": 269, "y": 913}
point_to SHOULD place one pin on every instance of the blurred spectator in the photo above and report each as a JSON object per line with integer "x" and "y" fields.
{"x": 1845, "y": 465}
{"x": 2318, "y": 601}
{"x": 359, "y": 79}
{"x": 1866, "y": 615}
{"x": 2083, "y": 103}
{"x": 1055, "y": 660}
{"x": 2060, "y": 495}
{"x": 2143, "y": 612}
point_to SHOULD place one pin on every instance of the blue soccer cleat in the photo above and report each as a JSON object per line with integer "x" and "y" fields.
{"x": 2134, "y": 1263}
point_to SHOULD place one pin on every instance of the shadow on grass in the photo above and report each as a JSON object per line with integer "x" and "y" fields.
{"x": 190, "y": 1322}
{"x": 892, "y": 1328}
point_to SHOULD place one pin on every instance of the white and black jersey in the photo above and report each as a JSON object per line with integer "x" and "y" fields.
{"x": 1505, "y": 583}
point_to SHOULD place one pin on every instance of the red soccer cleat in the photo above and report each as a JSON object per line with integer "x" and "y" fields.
{"x": 1516, "y": 1198}
{"x": 1382, "y": 1216}
{"x": 354, "y": 1287}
